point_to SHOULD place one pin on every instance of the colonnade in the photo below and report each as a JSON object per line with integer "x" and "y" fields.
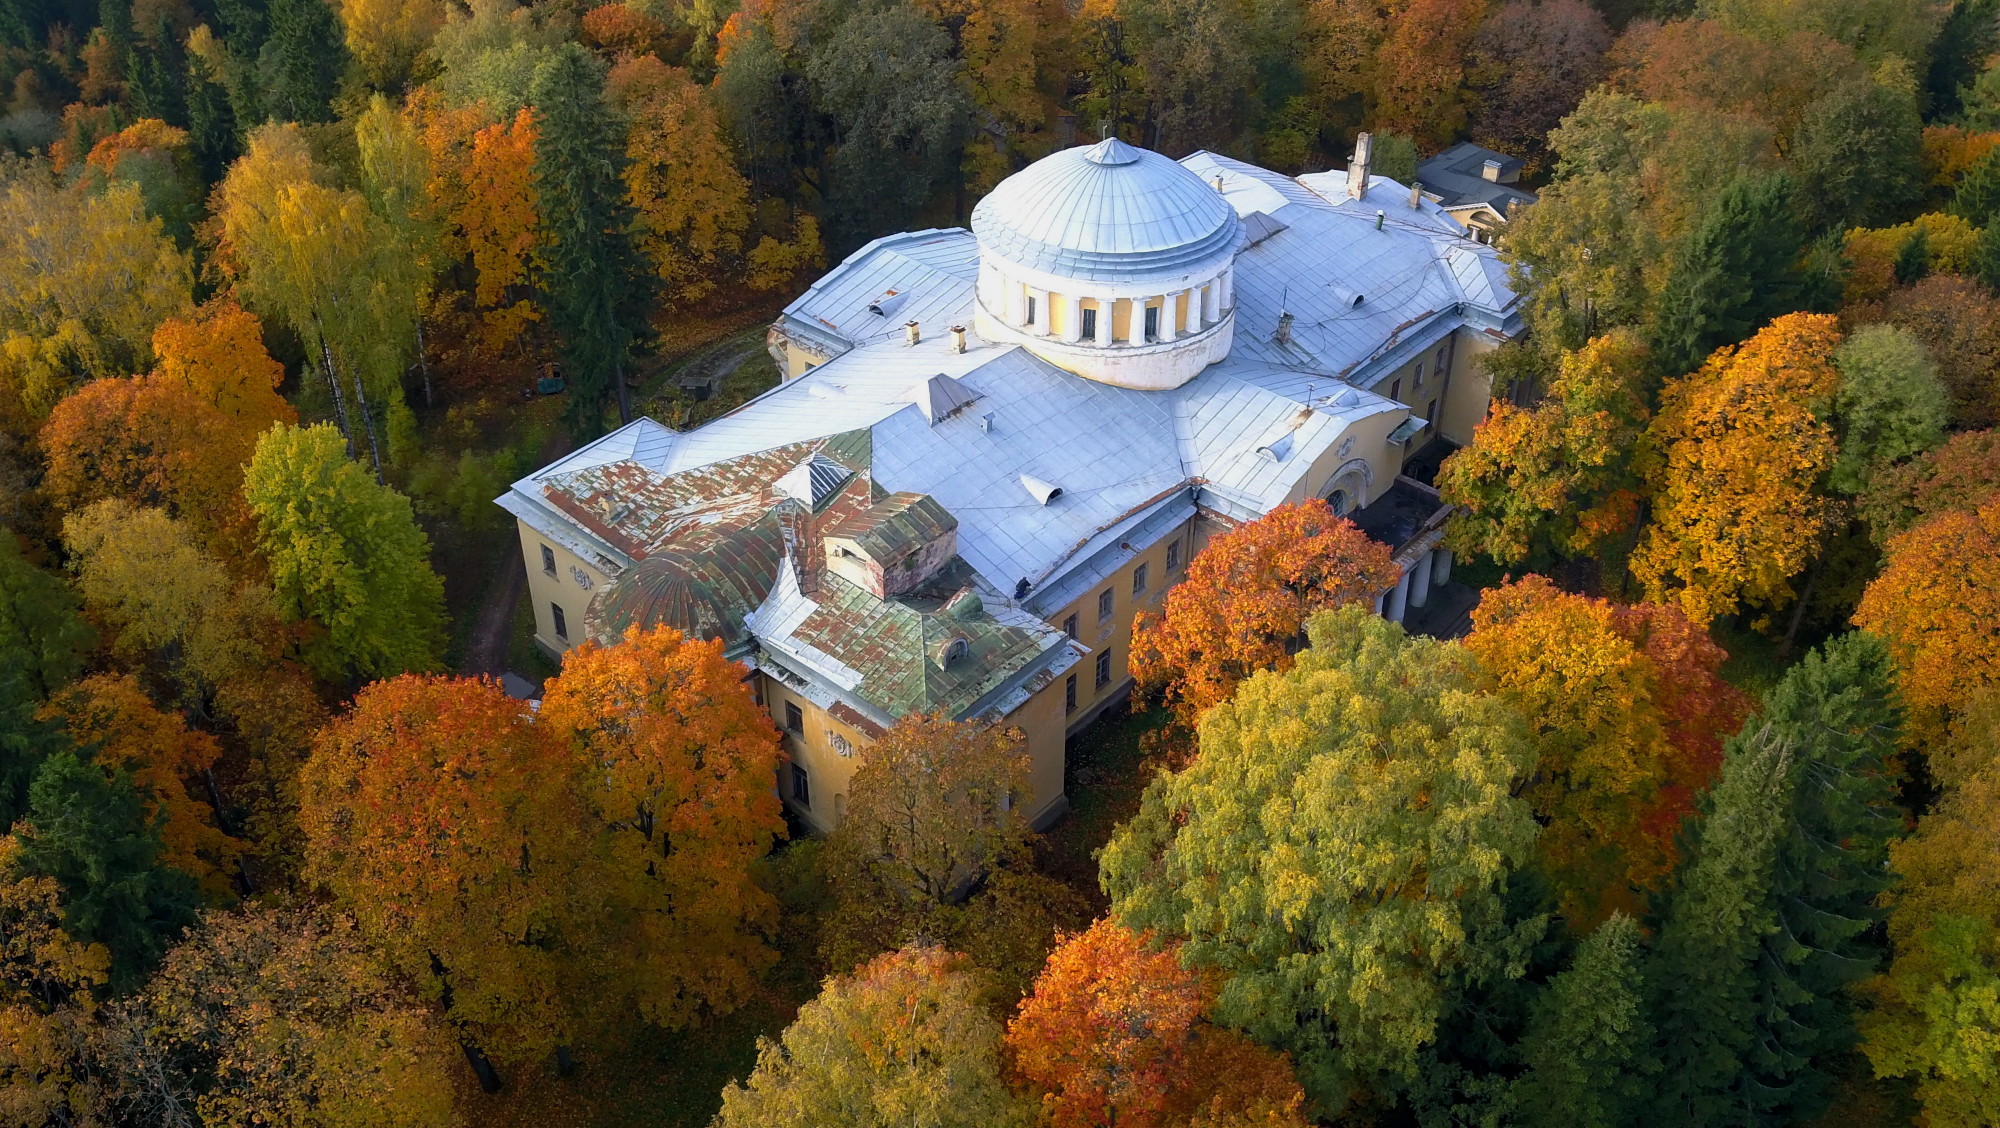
{"x": 1413, "y": 589}
{"x": 1032, "y": 309}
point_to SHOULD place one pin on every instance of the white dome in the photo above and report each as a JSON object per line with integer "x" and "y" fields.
{"x": 1107, "y": 212}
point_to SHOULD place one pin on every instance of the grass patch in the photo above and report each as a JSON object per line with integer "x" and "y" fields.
{"x": 1106, "y": 773}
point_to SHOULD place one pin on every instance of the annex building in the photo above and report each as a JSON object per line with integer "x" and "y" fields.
{"x": 993, "y": 447}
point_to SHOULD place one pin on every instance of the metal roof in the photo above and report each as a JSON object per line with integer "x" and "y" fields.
{"x": 1106, "y": 213}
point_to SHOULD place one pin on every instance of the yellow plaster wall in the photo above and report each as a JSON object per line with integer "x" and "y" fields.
{"x": 545, "y": 589}
{"x": 1471, "y": 388}
{"x": 1115, "y": 633}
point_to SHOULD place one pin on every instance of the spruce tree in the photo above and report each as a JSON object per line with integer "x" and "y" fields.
{"x": 89, "y": 830}
{"x": 1588, "y": 1049}
{"x": 596, "y": 286}
{"x": 1977, "y": 197}
{"x": 1735, "y": 271}
{"x": 300, "y": 63}
{"x": 1769, "y": 921}
{"x": 42, "y": 644}
{"x": 157, "y": 77}
{"x": 211, "y": 123}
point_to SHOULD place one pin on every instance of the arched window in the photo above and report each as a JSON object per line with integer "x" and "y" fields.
{"x": 1340, "y": 502}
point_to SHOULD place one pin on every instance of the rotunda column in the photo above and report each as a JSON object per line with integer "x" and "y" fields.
{"x": 1038, "y": 301}
{"x": 1187, "y": 323}
{"x": 1228, "y": 280}
{"x": 1106, "y": 310}
{"x": 1072, "y": 319}
{"x": 1211, "y": 302}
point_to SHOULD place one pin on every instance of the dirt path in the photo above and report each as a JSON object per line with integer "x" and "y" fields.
{"x": 486, "y": 647}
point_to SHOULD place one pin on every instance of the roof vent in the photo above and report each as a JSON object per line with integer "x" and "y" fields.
{"x": 957, "y": 338}
{"x": 912, "y": 333}
{"x": 986, "y": 423}
{"x": 888, "y": 303}
{"x": 1349, "y": 299}
{"x": 1277, "y": 450}
{"x": 1284, "y": 334}
{"x": 1041, "y": 491}
{"x": 1111, "y": 151}
{"x": 941, "y": 396}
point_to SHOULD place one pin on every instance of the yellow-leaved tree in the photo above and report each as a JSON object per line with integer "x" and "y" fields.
{"x": 1733, "y": 464}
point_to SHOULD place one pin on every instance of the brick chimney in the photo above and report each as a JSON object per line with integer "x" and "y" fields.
{"x": 1357, "y": 165}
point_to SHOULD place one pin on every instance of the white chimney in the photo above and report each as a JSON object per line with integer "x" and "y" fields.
{"x": 1491, "y": 171}
{"x": 911, "y": 334}
{"x": 1357, "y": 166}
{"x": 1416, "y": 195}
{"x": 957, "y": 338}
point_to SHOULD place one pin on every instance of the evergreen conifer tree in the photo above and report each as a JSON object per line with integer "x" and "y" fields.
{"x": 88, "y": 829}
{"x": 211, "y": 123}
{"x": 42, "y": 643}
{"x": 595, "y": 281}
{"x": 1736, "y": 271}
{"x": 299, "y": 65}
{"x": 1977, "y": 197}
{"x": 1769, "y": 922}
{"x": 1588, "y": 1049}
{"x": 157, "y": 77}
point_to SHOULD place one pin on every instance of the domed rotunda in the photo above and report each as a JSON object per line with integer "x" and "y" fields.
{"x": 1112, "y": 262}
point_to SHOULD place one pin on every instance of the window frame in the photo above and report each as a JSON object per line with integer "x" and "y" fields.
{"x": 795, "y": 719}
{"x": 1103, "y": 670}
{"x": 1070, "y": 626}
{"x": 1140, "y": 576}
{"x": 561, "y": 620}
{"x": 1173, "y": 556}
{"x": 1087, "y": 324}
{"x": 801, "y": 785}
{"x": 1069, "y": 695}
{"x": 1107, "y": 604}
{"x": 548, "y": 561}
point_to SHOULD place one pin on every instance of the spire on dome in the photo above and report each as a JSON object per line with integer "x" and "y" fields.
{"x": 1111, "y": 151}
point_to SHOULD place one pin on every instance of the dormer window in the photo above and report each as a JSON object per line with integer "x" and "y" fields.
{"x": 956, "y": 651}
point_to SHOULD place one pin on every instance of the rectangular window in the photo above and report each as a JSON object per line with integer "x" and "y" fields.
{"x": 1152, "y": 323}
{"x": 1139, "y": 580}
{"x": 1069, "y": 694}
{"x": 1420, "y": 374}
{"x": 562, "y": 625}
{"x": 1069, "y": 626}
{"x": 1104, "y": 669}
{"x": 548, "y": 560}
{"x": 1440, "y": 360}
{"x": 801, "y": 787}
{"x": 1431, "y": 414}
{"x": 1104, "y": 604}
{"x": 757, "y": 689}
{"x": 1396, "y": 389}
{"x": 795, "y": 721}
{"x": 1174, "y": 555}
{"x": 1089, "y": 332}
{"x": 1031, "y": 309}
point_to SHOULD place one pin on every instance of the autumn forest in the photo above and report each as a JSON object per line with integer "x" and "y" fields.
{"x": 1695, "y": 822}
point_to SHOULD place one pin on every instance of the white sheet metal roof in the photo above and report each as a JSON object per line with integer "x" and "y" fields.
{"x": 1246, "y": 429}
{"x": 930, "y": 273}
{"x": 1106, "y": 213}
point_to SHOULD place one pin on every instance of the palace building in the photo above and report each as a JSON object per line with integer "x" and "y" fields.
{"x": 992, "y": 448}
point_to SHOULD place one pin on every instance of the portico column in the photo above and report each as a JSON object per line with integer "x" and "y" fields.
{"x": 1211, "y": 302}
{"x": 1040, "y": 321}
{"x": 1072, "y": 319}
{"x": 1399, "y": 600}
{"x": 1228, "y": 281}
{"x": 1420, "y": 580}
{"x": 1106, "y": 308}
{"x": 1192, "y": 303}
{"x": 1441, "y": 570}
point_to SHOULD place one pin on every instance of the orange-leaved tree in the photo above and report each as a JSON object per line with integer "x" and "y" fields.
{"x": 1117, "y": 1032}
{"x": 1246, "y": 599}
{"x": 1733, "y": 464}
{"x": 1937, "y": 604}
{"x": 1617, "y": 759}
{"x": 112, "y": 714}
{"x": 451, "y": 826}
{"x": 693, "y": 206}
{"x": 1557, "y": 477}
{"x": 679, "y": 762}
{"x": 217, "y": 354}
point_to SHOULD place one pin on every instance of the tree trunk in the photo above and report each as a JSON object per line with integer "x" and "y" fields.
{"x": 489, "y": 1077}
{"x": 368, "y": 421}
{"x": 565, "y": 1064}
{"x": 624, "y": 394}
{"x": 1799, "y": 612}
{"x": 333, "y": 382}
{"x": 423, "y": 362}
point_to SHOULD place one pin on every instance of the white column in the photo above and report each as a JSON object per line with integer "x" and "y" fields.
{"x": 1420, "y": 580}
{"x": 1072, "y": 319}
{"x": 1227, "y": 299}
{"x": 1040, "y": 322}
{"x": 1191, "y": 301}
{"x": 1211, "y": 302}
{"x": 1399, "y": 600}
{"x": 1105, "y": 309}
{"x": 1441, "y": 571}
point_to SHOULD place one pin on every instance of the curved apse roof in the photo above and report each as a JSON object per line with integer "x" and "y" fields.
{"x": 1107, "y": 212}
